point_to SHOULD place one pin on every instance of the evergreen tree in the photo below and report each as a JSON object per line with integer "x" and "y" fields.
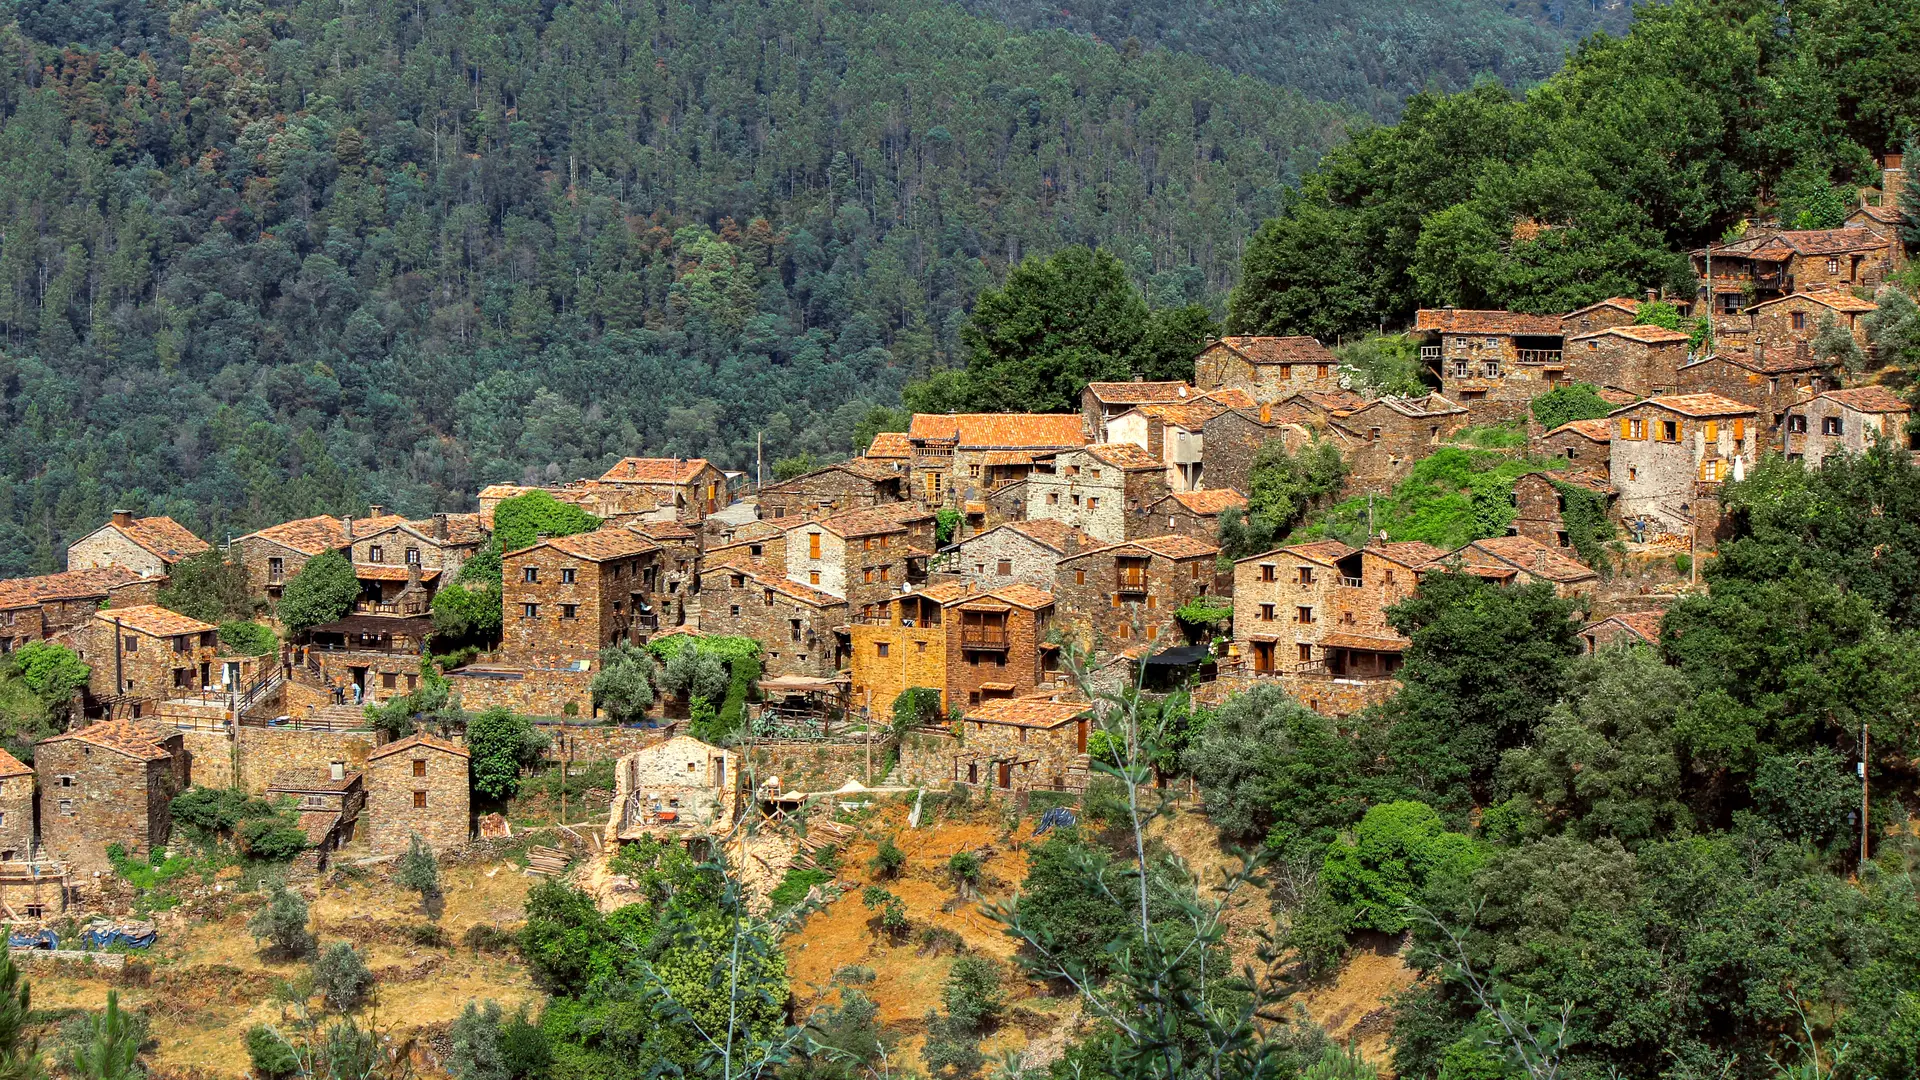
{"x": 319, "y": 592}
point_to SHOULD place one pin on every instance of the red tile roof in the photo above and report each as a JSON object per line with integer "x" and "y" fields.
{"x": 1124, "y": 456}
{"x": 134, "y": 738}
{"x": 642, "y": 470}
{"x": 11, "y": 766}
{"x": 154, "y": 620}
{"x": 1597, "y": 430}
{"x": 1498, "y": 323}
{"x": 1175, "y": 546}
{"x": 1054, "y": 534}
{"x": 389, "y": 572}
{"x": 1232, "y": 397}
{"x": 1333, "y": 401}
{"x": 1623, "y": 303}
{"x": 1693, "y": 405}
{"x": 1829, "y": 298}
{"x": 68, "y": 585}
{"x": 412, "y": 741}
{"x": 1320, "y": 551}
{"x": 1524, "y": 553}
{"x": 869, "y": 522}
{"x": 1645, "y": 335}
{"x": 317, "y": 534}
{"x": 1867, "y": 399}
{"x": 1644, "y": 625}
{"x": 1211, "y": 501}
{"x": 164, "y": 537}
{"x": 1191, "y": 416}
{"x": 1280, "y": 350}
{"x": 1008, "y": 431}
{"x": 617, "y": 542}
{"x": 1021, "y": 594}
{"x": 1409, "y": 553}
{"x": 890, "y": 444}
{"x": 462, "y": 529}
{"x": 1337, "y": 640}
{"x": 1140, "y": 393}
{"x": 1026, "y": 712}
{"x": 1770, "y": 246}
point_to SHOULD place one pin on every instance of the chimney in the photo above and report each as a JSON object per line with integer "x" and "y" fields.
{"x": 413, "y": 575}
{"x": 1653, "y": 295}
{"x": 337, "y": 770}
{"x": 1540, "y": 562}
{"x": 1266, "y": 412}
{"x": 376, "y": 510}
{"x": 1072, "y": 542}
{"x": 1139, "y": 378}
{"x": 439, "y": 526}
{"x": 122, "y": 518}
{"x": 346, "y": 525}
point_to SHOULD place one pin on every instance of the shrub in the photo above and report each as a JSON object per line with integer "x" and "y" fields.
{"x": 1397, "y": 849}
{"x": 342, "y": 977}
{"x": 282, "y": 923}
{"x": 275, "y": 839}
{"x": 624, "y": 684}
{"x": 972, "y": 994}
{"x": 432, "y": 935}
{"x": 964, "y": 866}
{"x": 319, "y": 592}
{"x": 488, "y": 938}
{"x": 247, "y": 638}
{"x": 935, "y": 940}
{"x": 270, "y": 1052}
{"x": 795, "y": 886}
{"x": 501, "y": 743}
{"x": 892, "y": 910}
{"x": 418, "y": 871}
{"x": 887, "y": 859}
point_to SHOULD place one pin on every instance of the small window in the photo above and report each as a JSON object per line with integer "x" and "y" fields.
{"x": 66, "y": 780}
{"x": 1633, "y": 473}
{"x": 1093, "y": 502}
{"x": 1004, "y": 567}
{"x": 734, "y": 610}
{"x": 880, "y": 649}
{"x": 419, "y": 800}
{"x": 66, "y": 806}
{"x": 413, "y": 556}
{"x": 1304, "y": 651}
{"x": 1832, "y": 425}
{"x": 1303, "y": 615}
{"x": 1799, "y": 320}
{"x": 419, "y": 766}
{"x": 1833, "y": 266}
{"x": 813, "y": 577}
{"x": 1306, "y": 576}
{"x": 755, "y": 550}
{"x": 529, "y": 611}
{"x": 566, "y": 575}
{"x": 390, "y": 680}
{"x": 1797, "y": 425}
{"x": 1669, "y": 431}
{"x": 1267, "y": 572}
{"x": 569, "y": 611}
{"x": 133, "y": 643}
{"x": 530, "y": 575}
{"x": 1266, "y": 612}
{"x": 1079, "y": 577}
{"x": 376, "y": 553}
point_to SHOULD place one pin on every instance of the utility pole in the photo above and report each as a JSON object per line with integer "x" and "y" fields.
{"x": 759, "y": 460}
{"x": 566, "y": 756}
{"x": 1863, "y": 798}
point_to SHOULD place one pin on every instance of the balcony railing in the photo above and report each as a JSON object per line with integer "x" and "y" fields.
{"x": 388, "y": 607}
{"x": 973, "y": 637}
{"x": 1351, "y": 583}
{"x": 1135, "y": 582}
{"x": 1539, "y": 356}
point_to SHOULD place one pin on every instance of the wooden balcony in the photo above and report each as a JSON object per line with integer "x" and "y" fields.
{"x": 1539, "y": 356}
{"x": 1130, "y": 581}
{"x": 984, "y": 638}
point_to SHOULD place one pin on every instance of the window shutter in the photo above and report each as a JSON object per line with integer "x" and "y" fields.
{"x": 1626, "y": 428}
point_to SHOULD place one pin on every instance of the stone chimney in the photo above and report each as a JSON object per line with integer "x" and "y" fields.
{"x": 337, "y": 770}
{"x": 376, "y": 510}
{"x": 346, "y": 526}
{"x": 1653, "y": 295}
{"x": 1540, "y": 562}
{"x": 1072, "y": 542}
{"x": 1156, "y": 436}
{"x": 122, "y": 518}
{"x": 439, "y": 526}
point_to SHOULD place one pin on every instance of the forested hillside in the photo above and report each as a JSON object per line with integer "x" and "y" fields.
{"x": 1599, "y": 180}
{"x": 1368, "y": 54}
{"x": 269, "y": 260}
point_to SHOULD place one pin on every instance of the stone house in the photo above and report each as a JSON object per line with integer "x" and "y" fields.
{"x": 1768, "y": 263}
{"x": 677, "y": 581}
{"x": 968, "y": 644}
{"x": 797, "y": 625}
{"x": 1234, "y": 437}
{"x": 890, "y": 450}
{"x": 1540, "y": 505}
{"x": 1625, "y": 628}
{"x": 1613, "y": 311}
{"x": 1318, "y": 611}
{"x": 862, "y": 556}
{"x": 1642, "y": 360}
{"x": 694, "y": 487}
{"x": 958, "y": 458}
{"x": 1266, "y": 368}
{"x": 1099, "y": 489}
{"x": 328, "y": 799}
{"x": 1193, "y": 513}
{"x": 1765, "y": 381}
{"x": 1102, "y": 401}
{"x": 1023, "y": 744}
{"x": 567, "y": 597}
{"x": 418, "y": 784}
{"x": 16, "y": 809}
{"x": 1521, "y": 560}
{"x": 1122, "y": 596}
{"x": 857, "y": 484}
{"x": 1788, "y": 324}
{"x": 147, "y": 546}
{"x": 109, "y": 783}
{"x": 443, "y": 543}
{"x": 361, "y": 659}
{"x": 679, "y": 788}
{"x": 1028, "y": 551}
{"x": 904, "y": 645}
{"x": 757, "y": 541}
{"x": 276, "y": 553}
{"x": 1671, "y": 454}
{"x": 1584, "y": 443}
{"x": 141, "y": 656}
{"x": 613, "y": 504}
{"x": 1174, "y": 435}
{"x": 1846, "y": 420}
{"x": 1492, "y": 362}
{"x": 1387, "y": 435}
{"x": 37, "y": 608}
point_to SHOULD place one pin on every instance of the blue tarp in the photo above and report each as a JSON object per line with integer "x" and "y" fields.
{"x": 103, "y": 936}
{"x": 1056, "y": 817}
{"x": 39, "y": 939}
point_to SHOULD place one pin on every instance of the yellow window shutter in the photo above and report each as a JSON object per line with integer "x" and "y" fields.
{"x": 1713, "y": 430}
{"x": 1626, "y": 428}
{"x": 1739, "y": 428}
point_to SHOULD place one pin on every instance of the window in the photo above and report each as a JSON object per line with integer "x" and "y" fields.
{"x": 419, "y": 766}
{"x": 566, "y": 575}
{"x": 133, "y": 643}
{"x": 733, "y": 610}
{"x": 1093, "y": 502}
{"x": 866, "y": 576}
{"x": 1493, "y": 368}
{"x": 66, "y": 781}
{"x": 1833, "y": 266}
{"x": 813, "y": 545}
{"x": 736, "y": 581}
{"x": 182, "y": 677}
{"x": 1053, "y": 498}
{"x": 1266, "y": 612}
{"x": 1306, "y": 576}
{"x": 1739, "y": 429}
{"x": 1303, "y": 615}
{"x": 569, "y": 611}
{"x": 1832, "y": 425}
{"x": 419, "y": 800}
{"x": 1633, "y": 473}
{"x": 1713, "y": 431}
{"x": 1799, "y": 320}
{"x": 769, "y": 595}
{"x": 529, "y": 611}
{"x": 1267, "y": 572}
{"x": 66, "y": 806}
{"x": 1389, "y": 575}
{"x": 1669, "y": 431}
{"x": 1004, "y": 567}
{"x": 276, "y": 568}
{"x": 755, "y": 550}
{"x": 376, "y": 553}
{"x": 389, "y": 680}
{"x": 1797, "y": 425}
{"x": 813, "y": 577}
{"x": 1710, "y": 471}
{"x": 413, "y": 556}
{"x": 181, "y": 644}
{"x": 1286, "y": 371}
{"x": 1320, "y": 371}
{"x": 883, "y": 573}
{"x": 793, "y": 629}
{"x": 1076, "y": 500}
{"x": 1079, "y": 577}
{"x": 1304, "y": 651}
{"x": 530, "y": 575}
{"x": 1193, "y": 570}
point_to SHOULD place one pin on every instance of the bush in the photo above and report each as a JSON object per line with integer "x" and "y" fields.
{"x": 972, "y": 994}
{"x": 914, "y": 707}
{"x": 487, "y": 938}
{"x": 964, "y": 866}
{"x": 319, "y": 592}
{"x": 1564, "y": 404}
{"x": 501, "y": 743}
{"x": 342, "y": 977}
{"x": 624, "y": 684}
{"x": 1397, "y": 849}
{"x": 795, "y": 886}
{"x": 694, "y": 672}
{"x": 418, "y": 870}
{"x": 270, "y": 1053}
{"x": 282, "y": 923}
{"x": 887, "y": 859}
{"x": 274, "y": 839}
{"x": 248, "y": 638}
{"x": 892, "y": 910}
{"x": 519, "y": 521}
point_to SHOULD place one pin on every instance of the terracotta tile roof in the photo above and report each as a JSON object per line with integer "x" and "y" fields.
{"x": 1007, "y": 457}
{"x": 1280, "y": 350}
{"x": 1596, "y": 430}
{"x": 503, "y": 491}
{"x": 1339, "y": 640}
{"x": 412, "y": 741}
{"x": 1021, "y": 594}
{"x": 1771, "y": 246}
{"x": 154, "y": 620}
{"x": 1192, "y": 416}
{"x": 1232, "y": 397}
{"x": 645, "y": 470}
{"x": 1124, "y": 456}
{"x": 317, "y": 534}
{"x": 771, "y": 576}
{"x": 1866, "y": 399}
{"x": 1693, "y": 405}
{"x": 1830, "y": 298}
{"x": 1053, "y": 534}
{"x": 389, "y": 572}
{"x": 1209, "y": 502}
{"x": 134, "y": 738}
{"x": 1026, "y": 712}
{"x": 1320, "y": 551}
{"x": 1140, "y": 393}
{"x": 1644, "y": 625}
{"x": 1771, "y": 362}
{"x": 1622, "y": 303}
{"x": 1885, "y": 215}
{"x": 617, "y": 542}
{"x": 1333, "y": 401}
{"x": 1613, "y": 396}
{"x": 11, "y": 766}
{"x": 164, "y": 537}
{"x": 890, "y": 444}
{"x": 67, "y": 585}
{"x": 1174, "y": 546}
{"x": 871, "y": 471}
{"x": 946, "y": 593}
{"x": 1466, "y": 321}
{"x": 665, "y": 532}
{"x": 1412, "y": 554}
{"x": 1645, "y": 335}
{"x": 1524, "y": 553}
{"x": 853, "y": 523}
{"x": 906, "y": 513}
{"x": 1006, "y": 431}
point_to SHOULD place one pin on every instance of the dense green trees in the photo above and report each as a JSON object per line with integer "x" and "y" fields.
{"x": 321, "y": 591}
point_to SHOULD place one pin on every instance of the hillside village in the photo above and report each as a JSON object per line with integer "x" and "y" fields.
{"x": 953, "y": 593}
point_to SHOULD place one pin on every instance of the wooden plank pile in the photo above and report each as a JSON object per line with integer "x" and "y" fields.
{"x": 821, "y": 836}
{"x": 547, "y": 861}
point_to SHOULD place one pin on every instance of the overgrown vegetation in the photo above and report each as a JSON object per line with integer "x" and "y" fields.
{"x": 1452, "y": 496}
